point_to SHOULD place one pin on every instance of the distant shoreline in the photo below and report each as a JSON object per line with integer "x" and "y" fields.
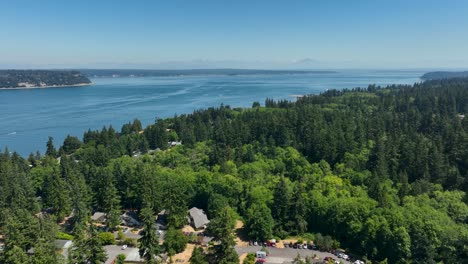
{"x": 47, "y": 86}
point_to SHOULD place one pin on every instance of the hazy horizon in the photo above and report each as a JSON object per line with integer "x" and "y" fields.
{"x": 243, "y": 34}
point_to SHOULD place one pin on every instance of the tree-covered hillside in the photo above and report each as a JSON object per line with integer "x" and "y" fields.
{"x": 40, "y": 78}
{"x": 381, "y": 172}
{"x": 444, "y": 75}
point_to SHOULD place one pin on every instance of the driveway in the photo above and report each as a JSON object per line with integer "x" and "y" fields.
{"x": 286, "y": 255}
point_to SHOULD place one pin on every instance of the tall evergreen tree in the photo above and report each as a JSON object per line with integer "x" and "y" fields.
{"x": 259, "y": 223}
{"x": 44, "y": 248}
{"x": 56, "y": 195}
{"x": 198, "y": 257}
{"x": 281, "y": 200}
{"x": 149, "y": 241}
{"x": 51, "y": 151}
{"x": 88, "y": 248}
{"x": 222, "y": 228}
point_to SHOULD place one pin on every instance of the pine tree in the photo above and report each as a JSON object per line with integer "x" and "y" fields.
{"x": 281, "y": 199}
{"x": 222, "y": 228}
{"x": 56, "y": 195}
{"x": 298, "y": 210}
{"x": 88, "y": 248}
{"x": 80, "y": 201}
{"x": 15, "y": 255}
{"x": 259, "y": 223}
{"x": 44, "y": 248}
{"x": 198, "y": 257}
{"x": 51, "y": 151}
{"x": 107, "y": 198}
{"x": 149, "y": 241}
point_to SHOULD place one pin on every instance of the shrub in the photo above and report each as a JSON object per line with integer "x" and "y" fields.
{"x": 120, "y": 259}
{"x": 175, "y": 241}
{"x": 121, "y": 236}
{"x": 130, "y": 242}
{"x": 64, "y": 236}
{"x": 249, "y": 259}
{"x": 107, "y": 238}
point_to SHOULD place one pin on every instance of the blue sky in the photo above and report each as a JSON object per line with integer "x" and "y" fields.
{"x": 252, "y": 34}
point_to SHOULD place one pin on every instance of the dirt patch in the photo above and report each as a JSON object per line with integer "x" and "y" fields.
{"x": 239, "y": 224}
{"x": 241, "y": 238}
{"x": 242, "y": 257}
{"x": 184, "y": 257}
{"x": 188, "y": 228}
{"x": 279, "y": 244}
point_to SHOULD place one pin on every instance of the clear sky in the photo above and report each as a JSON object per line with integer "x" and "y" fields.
{"x": 244, "y": 33}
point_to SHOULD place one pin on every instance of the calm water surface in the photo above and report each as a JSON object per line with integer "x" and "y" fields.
{"x": 28, "y": 117}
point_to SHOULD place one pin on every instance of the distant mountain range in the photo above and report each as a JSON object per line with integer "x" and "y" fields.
{"x": 233, "y": 72}
{"x": 444, "y": 75}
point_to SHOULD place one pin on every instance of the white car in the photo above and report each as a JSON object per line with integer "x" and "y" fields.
{"x": 359, "y": 262}
{"x": 124, "y": 247}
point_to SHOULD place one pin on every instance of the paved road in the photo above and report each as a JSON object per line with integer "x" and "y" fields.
{"x": 286, "y": 255}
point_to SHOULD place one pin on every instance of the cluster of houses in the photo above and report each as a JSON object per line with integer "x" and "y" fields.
{"x": 129, "y": 218}
{"x": 170, "y": 144}
{"x": 196, "y": 217}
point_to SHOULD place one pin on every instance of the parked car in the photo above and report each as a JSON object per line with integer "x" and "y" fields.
{"x": 124, "y": 247}
{"x": 359, "y": 262}
{"x": 271, "y": 243}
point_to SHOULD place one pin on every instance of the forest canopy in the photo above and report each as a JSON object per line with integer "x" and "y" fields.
{"x": 40, "y": 78}
{"x": 383, "y": 171}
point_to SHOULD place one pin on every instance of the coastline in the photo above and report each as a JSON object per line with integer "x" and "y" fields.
{"x": 48, "y": 86}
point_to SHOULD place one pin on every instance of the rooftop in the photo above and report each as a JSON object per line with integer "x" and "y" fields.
{"x": 198, "y": 217}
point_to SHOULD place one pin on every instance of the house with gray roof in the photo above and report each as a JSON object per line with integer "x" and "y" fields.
{"x": 99, "y": 217}
{"x": 61, "y": 247}
{"x": 130, "y": 218}
{"x": 197, "y": 218}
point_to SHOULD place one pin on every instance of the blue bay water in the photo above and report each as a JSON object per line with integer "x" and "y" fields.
{"x": 28, "y": 117}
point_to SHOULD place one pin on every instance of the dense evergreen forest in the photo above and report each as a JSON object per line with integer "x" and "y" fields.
{"x": 444, "y": 75}
{"x": 40, "y": 78}
{"x": 381, "y": 172}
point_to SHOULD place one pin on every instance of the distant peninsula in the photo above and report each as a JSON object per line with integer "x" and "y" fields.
{"x": 26, "y": 79}
{"x": 93, "y": 73}
{"x": 437, "y": 75}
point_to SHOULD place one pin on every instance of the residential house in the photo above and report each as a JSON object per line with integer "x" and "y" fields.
{"x": 197, "y": 218}
{"x": 161, "y": 221}
{"x": 130, "y": 218}
{"x": 61, "y": 246}
{"x": 98, "y": 217}
{"x": 174, "y": 143}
